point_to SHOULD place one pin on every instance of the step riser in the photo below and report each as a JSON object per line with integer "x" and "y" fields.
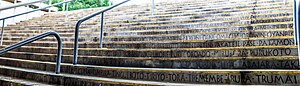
{"x": 31, "y": 35}
{"x": 162, "y": 32}
{"x": 240, "y": 52}
{"x": 7, "y": 83}
{"x": 210, "y": 12}
{"x": 204, "y": 77}
{"x": 38, "y": 57}
{"x": 228, "y": 42}
{"x": 253, "y": 16}
{"x": 211, "y": 36}
{"x": 243, "y": 12}
{"x": 257, "y": 27}
{"x": 81, "y": 39}
{"x": 201, "y": 77}
{"x": 216, "y": 18}
{"x": 195, "y": 18}
{"x": 62, "y": 35}
{"x": 187, "y": 31}
{"x": 54, "y": 79}
{"x": 225, "y": 18}
{"x": 242, "y": 63}
{"x": 206, "y": 44}
{"x": 253, "y": 19}
{"x": 214, "y": 29}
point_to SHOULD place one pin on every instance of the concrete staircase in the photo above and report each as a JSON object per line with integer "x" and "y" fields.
{"x": 193, "y": 42}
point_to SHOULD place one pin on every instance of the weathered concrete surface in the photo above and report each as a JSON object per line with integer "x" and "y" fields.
{"x": 276, "y": 62}
{"x": 235, "y": 42}
{"x": 206, "y": 76}
{"x": 252, "y": 51}
{"x": 10, "y": 81}
{"x": 59, "y": 79}
{"x": 220, "y": 43}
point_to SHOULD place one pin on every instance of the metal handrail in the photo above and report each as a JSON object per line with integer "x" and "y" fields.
{"x": 295, "y": 21}
{"x": 21, "y": 4}
{"x": 35, "y": 10}
{"x": 101, "y": 31}
{"x": 296, "y": 26}
{"x": 37, "y": 37}
{"x": 3, "y": 19}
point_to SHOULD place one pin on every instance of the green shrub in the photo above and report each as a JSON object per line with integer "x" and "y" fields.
{"x": 82, "y": 4}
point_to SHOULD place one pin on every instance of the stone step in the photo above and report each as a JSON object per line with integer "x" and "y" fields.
{"x": 150, "y": 31}
{"x": 214, "y": 25}
{"x": 196, "y": 18}
{"x": 202, "y": 23}
{"x": 152, "y": 22}
{"x": 70, "y": 79}
{"x": 64, "y": 39}
{"x": 195, "y": 76}
{"x": 234, "y": 42}
{"x": 173, "y": 16}
{"x": 216, "y": 16}
{"x": 48, "y": 27}
{"x": 10, "y": 81}
{"x": 30, "y": 33}
{"x": 21, "y": 29}
{"x": 169, "y": 37}
{"x": 55, "y": 23}
{"x": 94, "y": 22}
{"x": 202, "y": 36}
{"x": 209, "y": 8}
{"x": 16, "y": 27}
{"x": 251, "y": 51}
{"x": 75, "y": 21}
{"x": 196, "y": 30}
{"x": 221, "y": 12}
{"x": 271, "y": 62}
{"x": 225, "y": 23}
{"x": 185, "y": 25}
{"x": 154, "y": 32}
{"x": 175, "y": 30}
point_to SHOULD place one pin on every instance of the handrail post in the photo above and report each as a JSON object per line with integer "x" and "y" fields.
{"x": 27, "y": 9}
{"x": 76, "y": 42}
{"x": 101, "y": 31}
{"x": 66, "y": 14}
{"x": 297, "y": 13}
{"x": 13, "y": 20}
{"x": 2, "y": 31}
{"x": 64, "y": 6}
{"x": 153, "y": 7}
{"x": 295, "y": 22}
{"x": 59, "y": 52}
{"x": 65, "y": 10}
{"x": 50, "y": 3}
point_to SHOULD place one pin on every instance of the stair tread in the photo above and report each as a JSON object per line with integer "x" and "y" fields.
{"x": 95, "y": 79}
{"x": 21, "y": 81}
{"x": 151, "y": 69}
{"x": 167, "y": 41}
{"x": 222, "y": 48}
